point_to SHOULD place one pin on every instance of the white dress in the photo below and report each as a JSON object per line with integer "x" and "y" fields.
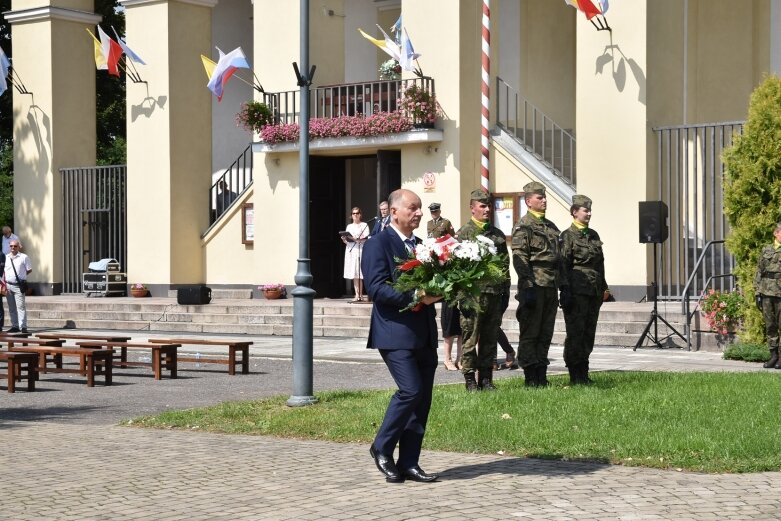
{"x": 353, "y": 250}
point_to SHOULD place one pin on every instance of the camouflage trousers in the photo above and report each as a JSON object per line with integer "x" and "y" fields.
{"x": 581, "y": 319}
{"x": 771, "y": 312}
{"x": 536, "y": 327}
{"x": 479, "y": 332}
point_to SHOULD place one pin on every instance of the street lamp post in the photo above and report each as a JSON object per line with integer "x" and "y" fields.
{"x": 303, "y": 294}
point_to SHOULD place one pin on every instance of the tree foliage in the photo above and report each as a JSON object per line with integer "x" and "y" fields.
{"x": 752, "y": 199}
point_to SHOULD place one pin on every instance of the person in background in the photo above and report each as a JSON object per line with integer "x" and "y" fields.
{"x": 17, "y": 267}
{"x": 407, "y": 342}
{"x": 767, "y": 286}
{"x": 8, "y": 236}
{"x": 450, "y": 317}
{"x": 5, "y": 287}
{"x": 584, "y": 270}
{"x": 481, "y": 329}
{"x": 359, "y": 232}
{"x": 537, "y": 261}
{"x": 384, "y": 219}
{"x": 225, "y": 197}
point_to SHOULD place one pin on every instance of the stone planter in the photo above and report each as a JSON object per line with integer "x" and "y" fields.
{"x": 272, "y": 294}
{"x": 139, "y": 292}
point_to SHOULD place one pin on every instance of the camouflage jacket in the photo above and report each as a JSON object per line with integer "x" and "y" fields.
{"x": 584, "y": 263}
{"x": 767, "y": 281}
{"x": 470, "y": 231}
{"x": 536, "y": 256}
{"x": 440, "y": 227}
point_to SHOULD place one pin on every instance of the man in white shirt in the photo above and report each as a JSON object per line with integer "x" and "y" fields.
{"x": 17, "y": 267}
{"x": 8, "y": 236}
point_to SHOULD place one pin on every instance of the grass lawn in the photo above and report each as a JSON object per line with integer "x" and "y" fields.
{"x": 709, "y": 422}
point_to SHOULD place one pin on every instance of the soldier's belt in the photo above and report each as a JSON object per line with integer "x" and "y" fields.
{"x": 772, "y": 275}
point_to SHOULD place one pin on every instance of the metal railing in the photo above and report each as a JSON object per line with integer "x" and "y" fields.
{"x": 94, "y": 220}
{"x": 230, "y": 185}
{"x": 690, "y": 181}
{"x": 348, "y": 99}
{"x": 686, "y": 301}
{"x": 538, "y": 133}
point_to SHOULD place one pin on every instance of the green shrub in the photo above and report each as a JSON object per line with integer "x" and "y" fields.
{"x": 752, "y": 193}
{"x": 747, "y": 352}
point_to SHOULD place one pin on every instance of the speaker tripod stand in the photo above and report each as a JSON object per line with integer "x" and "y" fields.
{"x": 654, "y": 320}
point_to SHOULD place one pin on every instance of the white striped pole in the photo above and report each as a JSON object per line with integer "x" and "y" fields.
{"x": 486, "y": 69}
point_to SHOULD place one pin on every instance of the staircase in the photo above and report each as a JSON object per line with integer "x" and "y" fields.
{"x": 620, "y": 323}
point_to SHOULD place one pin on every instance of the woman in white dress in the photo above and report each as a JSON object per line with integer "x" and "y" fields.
{"x": 359, "y": 232}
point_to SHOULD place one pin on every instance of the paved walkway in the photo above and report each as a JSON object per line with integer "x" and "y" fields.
{"x": 65, "y": 458}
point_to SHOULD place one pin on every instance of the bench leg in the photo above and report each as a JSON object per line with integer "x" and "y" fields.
{"x": 156, "y": 362}
{"x": 171, "y": 363}
{"x": 107, "y": 368}
{"x": 31, "y": 372}
{"x": 11, "y": 376}
{"x": 245, "y": 360}
{"x": 231, "y": 360}
{"x": 90, "y": 370}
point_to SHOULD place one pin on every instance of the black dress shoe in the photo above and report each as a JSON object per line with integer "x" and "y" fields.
{"x": 416, "y": 474}
{"x": 24, "y": 330}
{"x": 386, "y": 465}
{"x": 13, "y": 330}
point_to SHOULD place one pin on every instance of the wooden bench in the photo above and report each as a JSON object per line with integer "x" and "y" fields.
{"x": 233, "y": 346}
{"x": 17, "y": 364}
{"x": 88, "y": 359}
{"x": 71, "y": 336}
{"x": 163, "y": 355}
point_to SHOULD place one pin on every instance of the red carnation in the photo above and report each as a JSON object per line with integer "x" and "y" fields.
{"x": 410, "y": 264}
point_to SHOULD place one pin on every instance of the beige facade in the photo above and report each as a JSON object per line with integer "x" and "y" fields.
{"x": 666, "y": 62}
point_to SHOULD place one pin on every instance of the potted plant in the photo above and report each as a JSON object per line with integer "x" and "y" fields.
{"x": 138, "y": 290}
{"x": 420, "y": 106}
{"x": 273, "y": 291}
{"x": 723, "y": 312}
{"x": 254, "y": 115}
{"x": 390, "y": 70}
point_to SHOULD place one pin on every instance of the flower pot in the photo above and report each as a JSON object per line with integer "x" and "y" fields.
{"x": 139, "y": 292}
{"x": 423, "y": 125}
{"x": 272, "y": 294}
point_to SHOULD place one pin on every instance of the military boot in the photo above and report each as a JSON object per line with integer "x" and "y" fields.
{"x": 486, "y": 378}
{"x": 573, "y": 374}
{"x": 542, "y": 375}
{"x": 471, "y": 383}
{"x": 586, "y": 379}
{"x": 530, "y": 376}
{"x": 773, "y": 359}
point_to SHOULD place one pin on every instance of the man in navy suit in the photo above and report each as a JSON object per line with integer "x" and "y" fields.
{"x": 407, "y": 342}
{"x": 383, "y": 220}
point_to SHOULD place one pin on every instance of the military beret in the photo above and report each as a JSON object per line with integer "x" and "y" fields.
{"x": 480, "y": 195}
{"x": 581, "y": 201}
{"x": 434, "y": 206}
{"x": 534, "y": 187}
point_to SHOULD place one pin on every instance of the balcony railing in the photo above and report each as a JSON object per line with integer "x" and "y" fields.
{"x": 347, "y": 99}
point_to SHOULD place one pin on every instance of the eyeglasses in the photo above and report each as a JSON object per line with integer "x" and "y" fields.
{"x": 13, "y": 245}
{"x": 356, "y": 213}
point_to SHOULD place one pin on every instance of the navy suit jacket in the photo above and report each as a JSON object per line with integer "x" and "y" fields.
{"x": 390, "y": 327}
{"x": 378, "y": 225}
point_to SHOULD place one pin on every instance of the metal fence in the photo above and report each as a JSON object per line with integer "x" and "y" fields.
{"x": 348, "y": 99}
{"x": 231, "y": 184}
{"x": 538, "y": 133}
{"x": 690, "y": 182}
{"x": 94, "y": 220}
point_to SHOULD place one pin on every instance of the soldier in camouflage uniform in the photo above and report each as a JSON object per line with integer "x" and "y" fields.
{"x": 438, "y": 225}
{"x": 482, "y": 328}
{"x": 538, "y": 263}
{"x": 767, "y": 286}
{"x": 584, "y": 269}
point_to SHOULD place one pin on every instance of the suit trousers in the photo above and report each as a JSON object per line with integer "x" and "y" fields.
{"x": 405, "y": 419}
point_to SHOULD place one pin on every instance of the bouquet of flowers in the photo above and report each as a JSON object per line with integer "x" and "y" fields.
{"x": 457, "y": 271}
{"x": 390, "y": 70}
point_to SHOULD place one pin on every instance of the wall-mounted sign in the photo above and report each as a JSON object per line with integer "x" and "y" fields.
{"x": 429, "y": 182}
{"x": 247, "y": 223}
